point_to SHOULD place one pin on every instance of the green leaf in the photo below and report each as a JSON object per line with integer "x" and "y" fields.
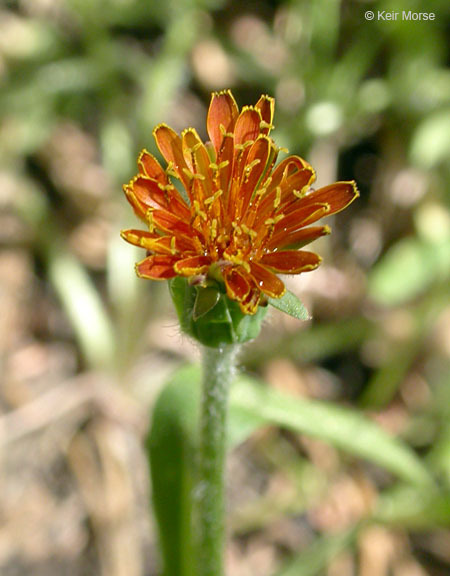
{"x": 205, "y": 301}
{"x": 408, "y": 269}
{"x": 431, "y": 141}
{"x": 242, "y": 424}
{"x": 72, "y": 283}
{"x": 318, "y": 342}
{"x": 342, "y": 427}
{"x": 252, "y": 405}
{"x": 290, "y": 304}
{"x": 415, "y": 509}
{"x": 171, "y": 449}
{"x": 385, "y": 381}
{"x": 314, "y": 559}
{"x": 82, "y": 304}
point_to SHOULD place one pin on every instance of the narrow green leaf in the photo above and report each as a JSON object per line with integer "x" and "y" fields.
{"x": 290, "y": 304}
{"x": 431, "y": 140}
{"x": 314, "y": 559}
{"x": 78, "y": 295}
{"x": 253, "y": 405}
{"x": 408, "y": 269}
{"x": 83, "y": 306}
{"x": 171, "y": 449}
{"x": 344, "y": 428}
{"x": 318, "y": 342}
{"x": 384, "y": 383}
{"x": 242, "y": 424}
{"x": 414, "y": 508}
{"x": 439, "y": 456}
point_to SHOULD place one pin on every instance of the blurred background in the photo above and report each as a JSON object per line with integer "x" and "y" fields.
{"x": 85, "y": 347}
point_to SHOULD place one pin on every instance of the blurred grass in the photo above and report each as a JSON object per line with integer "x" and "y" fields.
{"x": 83, "y": 83}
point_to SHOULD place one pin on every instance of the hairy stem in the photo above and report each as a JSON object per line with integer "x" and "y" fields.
{"x": 218, "y": 365}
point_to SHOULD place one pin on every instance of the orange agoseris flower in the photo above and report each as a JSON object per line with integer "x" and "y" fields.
{"x": 243, "y": 219}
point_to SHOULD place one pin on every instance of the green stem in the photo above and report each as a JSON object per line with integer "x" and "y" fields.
{"x": 218, "y": 364}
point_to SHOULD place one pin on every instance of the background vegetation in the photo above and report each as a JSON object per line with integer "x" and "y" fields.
{"x": 85, "y": 347}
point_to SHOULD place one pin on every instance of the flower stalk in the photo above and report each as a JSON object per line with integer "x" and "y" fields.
{"x": 218, "y": 367}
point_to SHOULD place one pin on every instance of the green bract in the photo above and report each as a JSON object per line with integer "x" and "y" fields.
{"x": 210, "y": 317}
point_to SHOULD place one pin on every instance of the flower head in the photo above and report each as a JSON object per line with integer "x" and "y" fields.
{"x": 242, "y": 218}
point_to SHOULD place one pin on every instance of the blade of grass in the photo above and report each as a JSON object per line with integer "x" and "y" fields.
{"x": 346, "y": 429}
{"x": 72, "y": 283}
{"x": 314, "y": 559}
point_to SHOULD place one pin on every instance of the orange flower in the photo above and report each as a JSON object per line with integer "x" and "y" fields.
{"x": 242, "y": 219}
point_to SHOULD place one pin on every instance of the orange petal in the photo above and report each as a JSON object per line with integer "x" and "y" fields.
{"x": 237, "y": 285}
{"x": 296, "y": 180}
{"x": 193, "y": 265}
{"x": 266, "y": 105}
{"x": 225, "y": 162}
{"x": 149, "y": 166}
{"x": 222, "y": 114}
{"x": 302, "y": 216}
{"x": 291, "y": 261}
{"x": 170, "y": 223}
{"x": 138, "y": 237}
{"x": 287, "y": 167}
{"x": 291, "y": 174}
{"x": 298, "y": 238}
{"x": 139, "y": 208}
{"x": 159, "y": 244}
{"x": 255, "y": 166}
{"x": 247, "y": 127}
{"x": 157, "y": 267}
{"x": 154, "y": 195}
{"x": 251, "y": 303}
{"x": 169, "y": 144}
{"x": 246, "y": 132}
{"x": 267, "y": 281}
{"x": 185, "y": 244}
{"x": 338, "y": 196}
{"x": 197, "y": 159}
